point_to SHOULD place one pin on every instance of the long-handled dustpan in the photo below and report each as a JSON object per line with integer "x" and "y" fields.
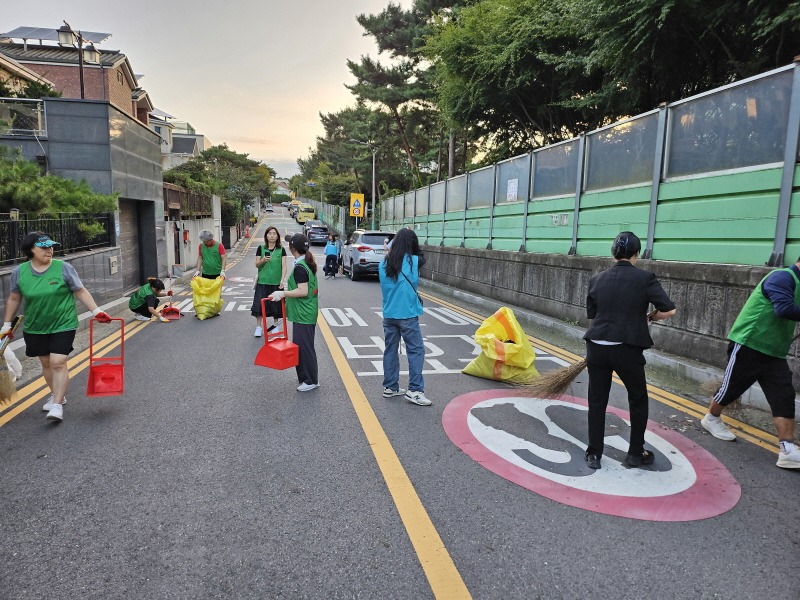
{"x": 106, "y": 373}
{"x": 277, "y": 352}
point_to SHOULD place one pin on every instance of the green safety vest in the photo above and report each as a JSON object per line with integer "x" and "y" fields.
{"x": 212, "y": 259}
{"x": 270, "y": 272}
{"x": 759, "y": 328}
{"x": 49, "y": 303}
{"x": 139, "y": 299}
{"x": 303, "y": 310}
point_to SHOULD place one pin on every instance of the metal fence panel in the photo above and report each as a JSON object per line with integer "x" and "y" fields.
{"x": 408, "y": 203}
{"x": 556, "y": 170}
{"x": 513, "y": 177}
{"x": 480, "y": 190}
{"x": 421, "y": 202}
{"x": 437, "y": 197}
{"x": 740, "y": 126}
{"x": 457, "y": 193}
{"x": 622, "y": 154}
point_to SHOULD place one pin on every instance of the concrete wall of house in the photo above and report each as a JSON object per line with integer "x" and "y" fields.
{"x": 708, "y": 296}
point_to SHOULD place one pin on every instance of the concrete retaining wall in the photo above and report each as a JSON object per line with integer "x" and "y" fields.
{"x": 708, "y": 296}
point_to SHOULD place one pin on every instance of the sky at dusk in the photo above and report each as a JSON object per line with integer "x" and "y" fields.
{"x": 254, "y": 74}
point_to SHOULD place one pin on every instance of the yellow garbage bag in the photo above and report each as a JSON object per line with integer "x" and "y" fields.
{"x": 506, "y": 353}
{"x": 207, "y": 296}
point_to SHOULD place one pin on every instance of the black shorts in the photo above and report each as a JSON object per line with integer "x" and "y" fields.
{"x": 746, "y": 367}
{"x": 44, "y": 344}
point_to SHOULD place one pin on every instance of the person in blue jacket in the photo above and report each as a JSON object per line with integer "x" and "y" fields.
{"x": 402, "y": 306}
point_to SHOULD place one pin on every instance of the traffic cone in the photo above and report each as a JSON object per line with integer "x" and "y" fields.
{"x": 247, "y": 232}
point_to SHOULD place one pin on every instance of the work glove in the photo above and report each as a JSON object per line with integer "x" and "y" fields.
{"x": 277, "y": 296}
{"x": 6, "y": 330}
{"x": 197, "y": 273}
{"x": 222, "y": 274}
{"x": 163, "y": 319}
{"x": 101, "y": 316}
{"x": 169, "y": 293}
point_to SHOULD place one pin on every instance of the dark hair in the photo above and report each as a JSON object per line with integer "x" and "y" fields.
{"x": 29, "y": 240}
{"x": 155, "y": 283}
{"x": 301, "y": 245}
{"x": 277, "y": 242}
{"x": 625, "y": 245}
{"x": 404, "y": 245}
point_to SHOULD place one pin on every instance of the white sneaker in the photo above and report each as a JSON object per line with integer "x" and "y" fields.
{"x": 307, "y": 387}
{"x": 258, "y": 332}
{"x": 717, "y": 428}
{"x": 139, "y": 317}
{"x": 49, "y": 404}
{"x": 56, "y": 413}
{"x": 389, "y": 392}
{"x": 418, "y": 398}
{"x": 789, "y": 460}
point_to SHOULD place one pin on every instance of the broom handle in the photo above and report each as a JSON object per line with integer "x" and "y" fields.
{"x": 7, "y": 339}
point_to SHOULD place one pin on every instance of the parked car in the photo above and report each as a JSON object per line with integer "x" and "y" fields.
{"x": 316, "y": 232}
{"x": 285, "y": 204}
{"x": 363, "y": 251}
{"x": 269, "y": 208}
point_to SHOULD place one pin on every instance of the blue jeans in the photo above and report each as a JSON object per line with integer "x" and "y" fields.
{"x": 408, "y": 329}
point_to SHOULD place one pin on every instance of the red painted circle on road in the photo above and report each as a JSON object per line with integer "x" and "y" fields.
{"x": 693, "y": 485}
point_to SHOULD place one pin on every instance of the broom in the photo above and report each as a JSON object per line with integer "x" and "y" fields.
{"x": 7, "y": 387}
{"x": 553, "y": 383}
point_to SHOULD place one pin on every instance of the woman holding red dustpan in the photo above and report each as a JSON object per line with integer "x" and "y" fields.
{"x": 49, "y": 288}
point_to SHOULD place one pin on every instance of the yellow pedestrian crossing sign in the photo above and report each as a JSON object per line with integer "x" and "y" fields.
{"x": 356, "y": 205}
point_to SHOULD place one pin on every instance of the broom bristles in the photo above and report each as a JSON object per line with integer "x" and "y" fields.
{"x": 554, "y": 383}
{"x": 7, "y": 387}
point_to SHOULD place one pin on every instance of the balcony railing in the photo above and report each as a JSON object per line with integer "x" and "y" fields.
{"x": 22, "y": 117}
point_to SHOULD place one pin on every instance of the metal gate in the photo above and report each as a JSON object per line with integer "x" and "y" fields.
{"x": 128, "y": 242}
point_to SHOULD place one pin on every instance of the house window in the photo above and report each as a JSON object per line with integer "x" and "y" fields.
{"x": 158, "y": 130}
{"x": 120, "y": 79}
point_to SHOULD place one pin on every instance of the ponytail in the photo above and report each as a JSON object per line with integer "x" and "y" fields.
{"x": 310, "y": 262}
{"x": 155, "y": 283}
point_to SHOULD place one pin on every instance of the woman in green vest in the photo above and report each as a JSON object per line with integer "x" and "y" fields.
{"x": 211, "y": 257}
{"x": 302, "y": 305}
{"x": 271, "y": 262}
{"x": 144, "y": 302}
{"x": 49, "y": 288}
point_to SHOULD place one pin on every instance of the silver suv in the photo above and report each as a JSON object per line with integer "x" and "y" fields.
{"x": 363, "y": 251}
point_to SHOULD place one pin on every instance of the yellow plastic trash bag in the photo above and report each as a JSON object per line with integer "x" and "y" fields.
{"x": 506, "y": 353}
{"x": 207, "y": 296}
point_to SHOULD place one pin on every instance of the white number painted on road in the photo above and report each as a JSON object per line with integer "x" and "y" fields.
{"x": 342, "y": 317}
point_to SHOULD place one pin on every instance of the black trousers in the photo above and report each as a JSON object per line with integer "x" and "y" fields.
{"x": 331, "y": 264}
{"x": 303, "y": 336}
{"x": 628, "y": 362}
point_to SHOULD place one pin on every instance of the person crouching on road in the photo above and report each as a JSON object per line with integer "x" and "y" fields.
{"x": 399, "y": 276}
{"x": 272, "y": 264}
{"x": 302, "y": 306}
{"x": 331, "y": 257}
{"x": 211, "y": 257}
{"x": 617, "y": 305}
{"x": 144, "y": 302}
{"x": 759, "y": 343}
{"x": 49, "y": 288}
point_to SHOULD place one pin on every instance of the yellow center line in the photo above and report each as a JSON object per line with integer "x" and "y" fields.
{"x": 442, "y": 574}
{"x": 744, "y": 430}
{"x": 37, "y": 389}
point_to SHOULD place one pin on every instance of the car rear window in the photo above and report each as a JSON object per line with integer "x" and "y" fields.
{"x": 317, "y": 228}
{"x": 375, "y": 240}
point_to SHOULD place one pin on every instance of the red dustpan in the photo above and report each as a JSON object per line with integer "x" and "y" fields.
{"x": 107, "y": 373}
{"x": 170, "y": 312}
{"x": 277, "y": 352}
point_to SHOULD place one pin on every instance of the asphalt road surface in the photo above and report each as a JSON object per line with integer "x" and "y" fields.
{"x": 214, "y": 478}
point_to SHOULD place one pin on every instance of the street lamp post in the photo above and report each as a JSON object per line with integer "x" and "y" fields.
{"x": 67, "y": 36}
{"x": 374, "y": 152}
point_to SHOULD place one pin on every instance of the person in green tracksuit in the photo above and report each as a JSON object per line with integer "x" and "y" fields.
{"x": 49, "y": 288}
{"x": 759, "y": 343}
{"x": 302, "y": 306}
{"x": 144, "y": 302}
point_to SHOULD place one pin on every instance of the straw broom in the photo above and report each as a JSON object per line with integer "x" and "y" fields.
{"x": 7, "y": 387}
{"x": 553, "y": 383}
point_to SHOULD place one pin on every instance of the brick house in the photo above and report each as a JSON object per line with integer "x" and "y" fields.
{"x": 111, "y": 78}
{"x": 15, "y": 75}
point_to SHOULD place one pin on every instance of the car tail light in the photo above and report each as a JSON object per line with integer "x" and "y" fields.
{"x": 364, "y": 249}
